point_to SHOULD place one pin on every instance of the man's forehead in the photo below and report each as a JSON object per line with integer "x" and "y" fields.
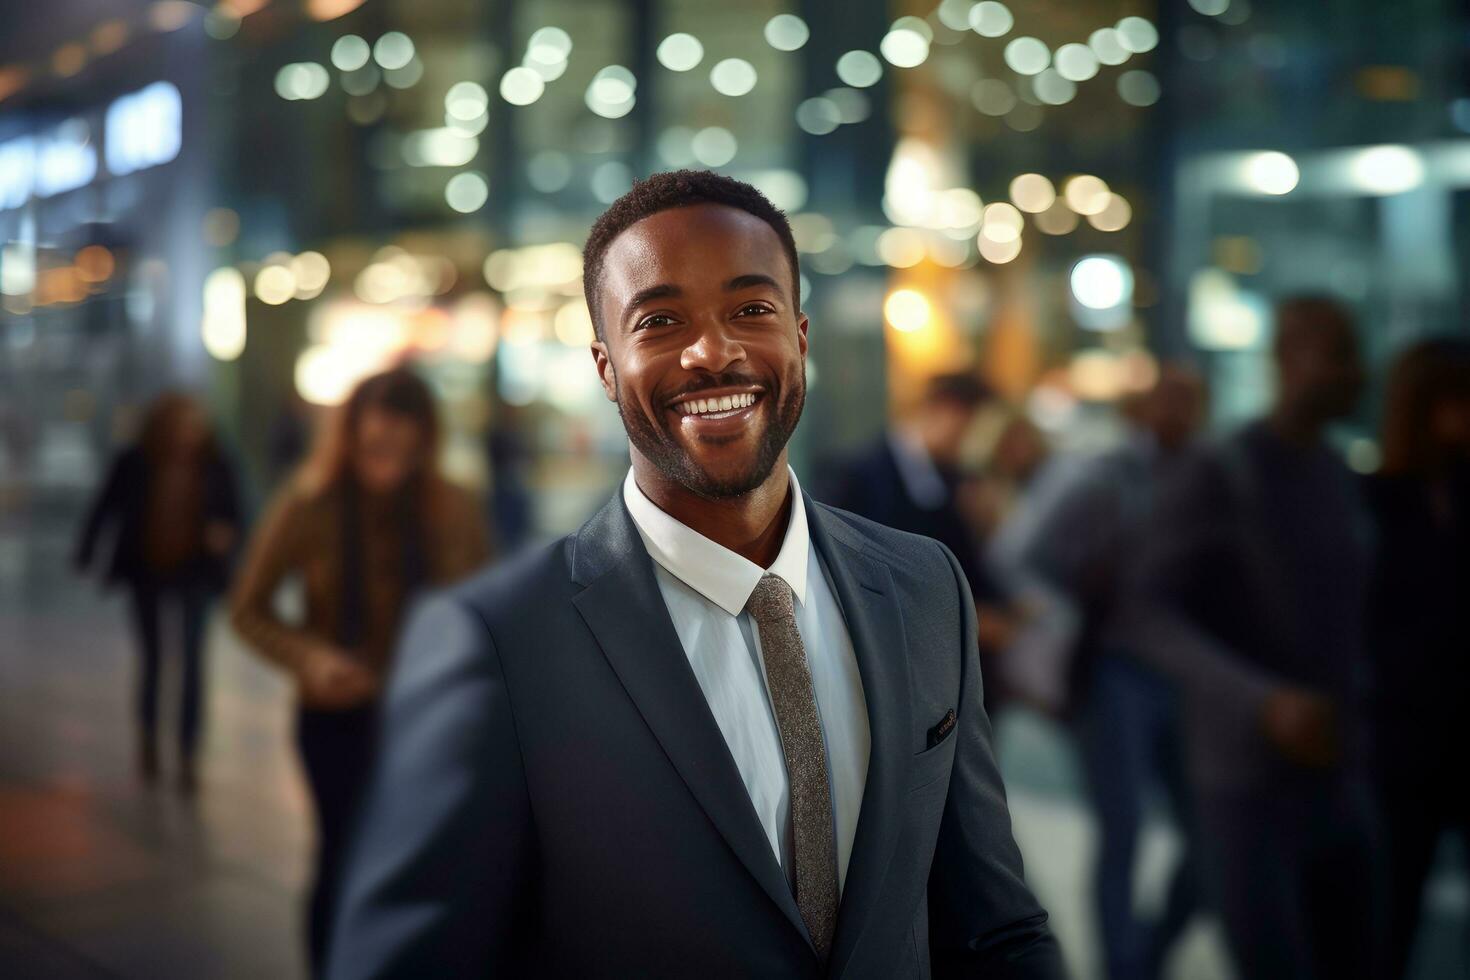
{"x": 693, "y": 244}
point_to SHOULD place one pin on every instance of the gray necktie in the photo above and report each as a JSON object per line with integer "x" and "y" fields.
{"x": 790, "y": 679}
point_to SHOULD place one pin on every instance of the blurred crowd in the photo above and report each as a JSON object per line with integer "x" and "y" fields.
{"x": 1236, "y": 622}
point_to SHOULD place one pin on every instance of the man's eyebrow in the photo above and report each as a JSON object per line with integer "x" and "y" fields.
{"x": 751, "y": 279}
{"x": 660, "y": 291}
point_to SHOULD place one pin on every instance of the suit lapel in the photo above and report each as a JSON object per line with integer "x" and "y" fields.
{"x": 622, "y": 605}
{"x": 869, "y": 604}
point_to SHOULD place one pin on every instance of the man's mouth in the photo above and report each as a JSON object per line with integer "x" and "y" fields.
{"x": 716, "y": 406}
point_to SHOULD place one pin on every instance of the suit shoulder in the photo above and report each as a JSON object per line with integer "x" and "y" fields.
{"x": 902, "y": 550}
{"x": 519, "y": 588}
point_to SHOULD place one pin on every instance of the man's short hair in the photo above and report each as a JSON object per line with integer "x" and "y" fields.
{"x": 960, "y": 389}
{"x": 677, "y": 189}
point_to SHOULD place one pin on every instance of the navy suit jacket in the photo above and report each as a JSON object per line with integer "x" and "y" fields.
{"x": 555, "y": 799}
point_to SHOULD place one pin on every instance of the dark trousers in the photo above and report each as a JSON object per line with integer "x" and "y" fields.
{"x": 1293, "y": 870}
{"x": 1423, "y": 794}
{"x": 1129, "y": 743}
{"x": 337, "y": 750}
{"x": 150, "y": 604}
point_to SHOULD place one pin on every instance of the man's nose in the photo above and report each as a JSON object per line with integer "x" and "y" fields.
{"x": 713, "y": 349}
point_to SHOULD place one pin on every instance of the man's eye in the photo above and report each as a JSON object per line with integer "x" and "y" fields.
{"x": 755, "y": 309}
{"x": 655, "y": 320}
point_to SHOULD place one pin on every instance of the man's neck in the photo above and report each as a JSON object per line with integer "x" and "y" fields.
{"x": 1296, "y": 427}
{"x": 752, "y": 525}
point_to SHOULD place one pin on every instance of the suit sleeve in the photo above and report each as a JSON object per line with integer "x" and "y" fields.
{"x": 1195, "y": 527}
{"x": 983, "y": 919}
{"x": 440, "y": 865}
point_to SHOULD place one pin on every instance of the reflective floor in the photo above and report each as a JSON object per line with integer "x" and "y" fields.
{"x": 101, "y": 876}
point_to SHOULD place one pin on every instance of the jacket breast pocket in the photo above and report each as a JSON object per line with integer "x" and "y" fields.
{"x": 931, "y": 767}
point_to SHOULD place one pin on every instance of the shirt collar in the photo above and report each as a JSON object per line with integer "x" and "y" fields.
{"x": 711, "y": 569}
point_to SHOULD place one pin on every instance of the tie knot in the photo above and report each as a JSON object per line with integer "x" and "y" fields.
{"x": 772, "y": 600}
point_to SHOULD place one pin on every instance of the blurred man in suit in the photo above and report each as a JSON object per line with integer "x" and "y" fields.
{"x": 721, "y": 730}
{"x": 911, "y": 479}
{"x": 1251, "y": 597}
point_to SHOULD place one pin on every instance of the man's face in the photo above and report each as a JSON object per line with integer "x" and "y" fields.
{"x": 1326, "y": 370}
{"x": 703, "y": 349}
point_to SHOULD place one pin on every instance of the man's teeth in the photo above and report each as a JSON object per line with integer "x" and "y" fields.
{"x": 711, "y": 406}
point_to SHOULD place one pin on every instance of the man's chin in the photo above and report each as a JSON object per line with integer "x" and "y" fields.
{"x": 725, "y": 482}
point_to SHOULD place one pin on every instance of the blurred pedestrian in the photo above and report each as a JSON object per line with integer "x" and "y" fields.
{"x": 511, "y": 455}
{"x": 170, "y": 503}
{"x": 1252, "y": 598}
{"x": 1079, "y": 531}
{"x": 913, "y": 479}
{"x": 1420, "y": 622}
{"x": 366, "y": 523}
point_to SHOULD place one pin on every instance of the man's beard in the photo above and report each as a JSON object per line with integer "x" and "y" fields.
{"x": 657, "y": 442}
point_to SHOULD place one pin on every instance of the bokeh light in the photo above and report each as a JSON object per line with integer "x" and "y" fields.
{"x": 1086, "y": 194}
{"x": 733, "y": 77}
{"x": 393, "y": 50}
{"x": 1032, "y": 193}
{"x": 904, "y": 47}
{"x": 1101, "y": 282}
{"x": 1138, "y": 88}
{"x": 1027, "y": 56}
{"x": 991, "y": 19}
{"x": 1137, "y": 35}
{"x": 1076, "y": 62}
{"x": 1108, "y": 46}
{"x": 350, "y": 52}
{"x": 1271, "y": 172}
{"x": 1114, "y": 215}
{"x": 714, "y": 146}
{"x": 786, "y": 32}
{"x": 907, "y": 310}
{"x": 680, "y": 52}
{"x": 860, "y": 69}
{"x": 467, "y": 192}
{"x": 521, "y": 86}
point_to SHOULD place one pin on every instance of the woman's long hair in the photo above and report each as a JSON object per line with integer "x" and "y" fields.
{"x": 399, "y": 391}
{"x": 330, "y": 470}
{"x": 1424, "y": 376}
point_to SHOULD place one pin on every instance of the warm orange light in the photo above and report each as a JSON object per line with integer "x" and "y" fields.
{"x": 69, "y": 59}
{"x": 170, "y": 15}
{"x": 108, "y": 37}
{"x": 95, "y": 264}
{"x": 12, "y": 80}
{"x": 240, "y": 9}
{"x": 62, "y": 285}
{"x": 331, "y": 9}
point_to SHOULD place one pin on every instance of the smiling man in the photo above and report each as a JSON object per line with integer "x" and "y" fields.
{"x": 721, "y": 730}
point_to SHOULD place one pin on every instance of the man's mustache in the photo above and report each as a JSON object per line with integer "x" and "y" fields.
{"x": 716, "y": 381}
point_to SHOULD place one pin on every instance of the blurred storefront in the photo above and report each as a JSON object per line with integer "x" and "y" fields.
{"x": 267, "y": 199}
{"x": 104, "y": 176}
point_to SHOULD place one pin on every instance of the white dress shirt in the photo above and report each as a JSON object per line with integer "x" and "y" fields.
{"x": 705, "y": 587}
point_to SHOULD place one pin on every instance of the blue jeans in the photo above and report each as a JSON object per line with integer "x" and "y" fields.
{"x": 149, "y": 601}
{"x": 1129, "y": 743}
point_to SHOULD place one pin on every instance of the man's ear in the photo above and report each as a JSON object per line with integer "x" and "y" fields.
{"x": 801, "y": 328}
{"x": 605, "y": 371}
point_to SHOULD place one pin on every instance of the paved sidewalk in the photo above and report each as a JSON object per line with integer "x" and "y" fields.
{"x": 102, "y": 877}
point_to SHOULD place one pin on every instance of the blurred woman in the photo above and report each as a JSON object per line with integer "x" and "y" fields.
{"x": 1420, "y": 620}
{"x": 170, "y": 500}
{"x": 366, "y": 523}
